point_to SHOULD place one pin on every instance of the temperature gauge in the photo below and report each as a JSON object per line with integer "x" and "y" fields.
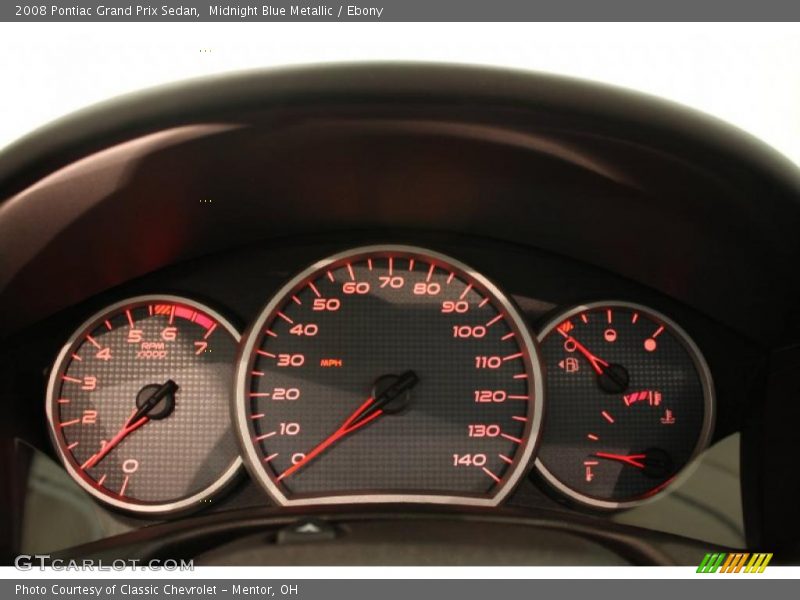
{"x": 629, "y": 403}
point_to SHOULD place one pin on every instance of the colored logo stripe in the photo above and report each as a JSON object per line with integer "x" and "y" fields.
{"x": 734, "y": 563}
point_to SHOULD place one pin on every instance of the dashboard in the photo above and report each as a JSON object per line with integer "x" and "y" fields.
{"x": 397, "y": 314}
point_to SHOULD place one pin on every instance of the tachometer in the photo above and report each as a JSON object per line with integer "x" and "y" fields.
{"x": 139, "y": 404}
{"x": 388, "y": 374}
{"x": 629, "y": 403}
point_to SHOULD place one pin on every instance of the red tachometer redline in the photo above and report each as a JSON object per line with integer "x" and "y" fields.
{"x": 388, "y": 374}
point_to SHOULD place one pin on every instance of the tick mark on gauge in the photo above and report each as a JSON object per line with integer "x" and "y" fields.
{"x": 271, "y": 333}
{"x": 410, "y": 264}
{"x": 265, "y": 436}
{"x": 521, "y": 376}
{"x": 71, "y": 379}
{"x": 285, "y": 318}
{"x": 267, "y": 354}
{"x": 270, "y": 457}
{"x": 350, "y": 271}
{"x": 209, "y": 331}
{"x": 483, "y": 303}
{"x": 518, "y": 418}
{"x": 331, "y": 277}
{"x": 490, "y": 474}
{"x": 430, "y": 272}
{"x": 130, "y": 316}
{"x": 607, "y": 416}
{"x": 592, "y": 437}
{"x": 76, "y": 357}
{"x": 505, "y": 459}
{"x": 314, "y": 289}
{"x": 259, "y": 394}
{"x": 296, "y": 300}
{"x": 108, "y": 324}
{"x": 511, "y": 438}
{"x": 257, "y": 416}
{"x": 465, "y": 292}
{"x": 512, "y": 356}
{"x": 495, "y": 320}
{"x": 102, "y": 480}
{"x": 257, "y": 373}
{"x": 507, "y": 336}
{"x": 73, "y": 445}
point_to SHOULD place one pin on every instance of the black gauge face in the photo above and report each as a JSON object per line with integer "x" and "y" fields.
{"x": 138, "y": 405}
{"x": 388, "y": 374}
{"x": 629, "y": 403}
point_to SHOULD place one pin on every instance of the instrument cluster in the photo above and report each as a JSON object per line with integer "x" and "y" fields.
{"x": 379, "y": 374}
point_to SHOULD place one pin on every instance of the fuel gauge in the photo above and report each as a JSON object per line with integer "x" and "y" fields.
{"x": 629, "y": 403}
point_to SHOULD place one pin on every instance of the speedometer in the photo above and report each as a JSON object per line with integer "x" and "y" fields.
{"x": 388, "y": 374}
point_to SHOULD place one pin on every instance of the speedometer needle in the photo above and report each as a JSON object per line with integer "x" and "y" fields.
{"x": 370, "y": 410}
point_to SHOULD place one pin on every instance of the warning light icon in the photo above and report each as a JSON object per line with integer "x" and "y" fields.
{"x": 668, "y": 418}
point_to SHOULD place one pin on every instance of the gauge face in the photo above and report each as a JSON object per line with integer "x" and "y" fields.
{"x": 630, "y": 403}
{"x": 139, "y": 404}
{"x": 388, "y": 374}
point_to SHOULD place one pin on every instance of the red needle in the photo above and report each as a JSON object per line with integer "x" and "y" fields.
{"x": 630, "y": 459}
{"x": 596, "y": 362}
{"x": 126, "y": 430}
{"x": 346, "y": 428}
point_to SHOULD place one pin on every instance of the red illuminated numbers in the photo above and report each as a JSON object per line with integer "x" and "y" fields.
{"x": 290, "y": 428}
{"x": 469, "y": 331}
{"x": 297, "y": 457}
{"x": 135, "y": 336}
{"x": 89, "y": 417}
{"x": 89, "y": 383}
{"x": 428, "y": 289}
{"x": 168, "y": 334}
{"x": 104, "y": 354}
{"x": 450, "y": 306}
{"x": 291, "y": 360}
{"x": 309, "y": 329}
{"x": 490, "y": 396}
{"x": 481, "y": 430}
{"x": 394, "y": 282}
{"x": 130, "y": 466}
{"x": 469, "y": 460}
{"x": 328, "y": 304}
{"x": 285, "y": 393}
{"x": 356, "y": 287}
{"x": 488, "y": 362}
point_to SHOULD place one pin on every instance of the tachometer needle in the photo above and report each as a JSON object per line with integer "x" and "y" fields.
{"x": 370, "y": 410}
{"x": 137, "y": 419}
{"x": 629, "y": 459}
